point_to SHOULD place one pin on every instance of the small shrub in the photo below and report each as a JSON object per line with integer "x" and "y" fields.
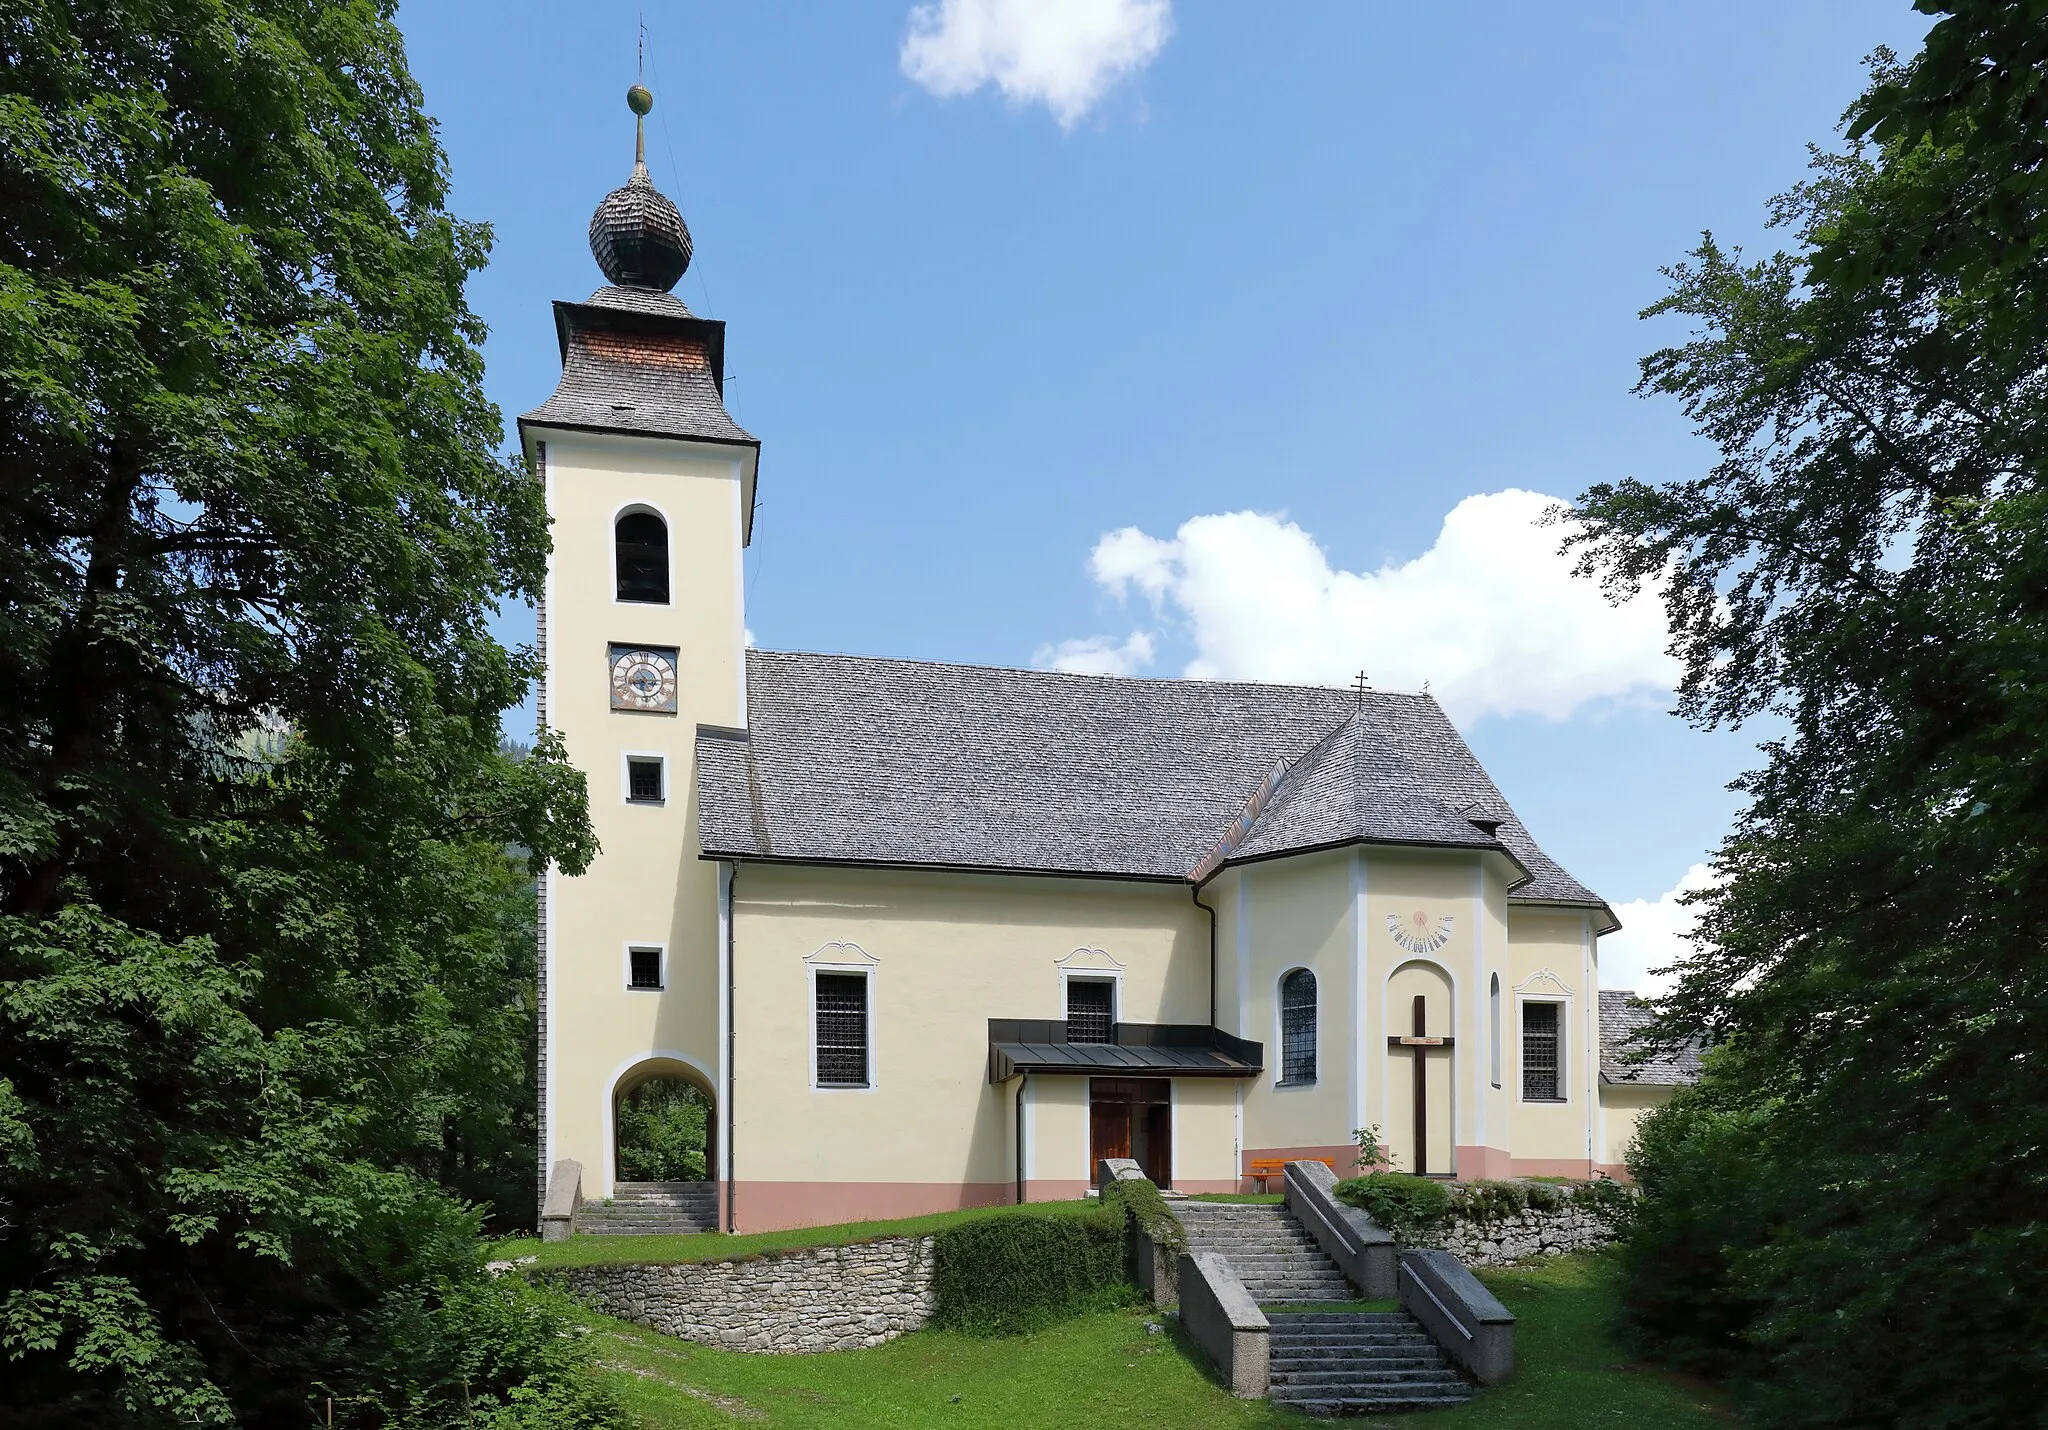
{"x": 1140, "y": 1202}
{"x": 1412, "y": 1208}
{"x": 1002, "y": 1275}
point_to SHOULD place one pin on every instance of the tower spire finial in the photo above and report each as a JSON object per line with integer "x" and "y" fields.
{"x": 637, "y": 236}
{"x": 640, "y": 100}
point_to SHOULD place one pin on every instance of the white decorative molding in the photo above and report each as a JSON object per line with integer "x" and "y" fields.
{"x": 839, "y": 954}
{"x": 1544, "y": 975}
{"x": 1086, "y": 958}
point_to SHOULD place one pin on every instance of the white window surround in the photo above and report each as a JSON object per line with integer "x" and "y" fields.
{"x": 660, "y": 952}
{"x": 626, "y": 758}
{"x": 841, "y": 958}
{"x": 1564, "y": 1047}
{"x": 1280, "y": 1029}
{"x": 612, "y": 534}
{"x": 1092, "y": 965}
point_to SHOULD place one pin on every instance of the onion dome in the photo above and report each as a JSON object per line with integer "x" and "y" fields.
{"x": 637, "y": 236}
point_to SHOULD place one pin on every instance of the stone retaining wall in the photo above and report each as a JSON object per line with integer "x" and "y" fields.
{"x": 1526, "y": 1233}
{"x": 821, "y": 1298}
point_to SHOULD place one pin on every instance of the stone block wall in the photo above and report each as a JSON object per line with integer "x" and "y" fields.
{"x": 1526, "y": 1233}
{"x": 820, "y": 1298}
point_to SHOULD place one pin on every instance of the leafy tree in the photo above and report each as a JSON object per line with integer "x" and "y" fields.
{"x": 255, "y": 978}
{"x": 661, "y": 1132}
{"x": 1853, "y": 1199}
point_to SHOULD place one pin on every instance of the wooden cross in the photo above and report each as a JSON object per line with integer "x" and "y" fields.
{"x": 1420, "y": 1042}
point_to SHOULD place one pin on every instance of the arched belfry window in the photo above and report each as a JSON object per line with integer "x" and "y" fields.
{"x": 1298, "y": 1027}
{"x": 642, "y": 545}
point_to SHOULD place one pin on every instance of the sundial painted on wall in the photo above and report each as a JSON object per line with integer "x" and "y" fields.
{"x": 1418, "y": 933}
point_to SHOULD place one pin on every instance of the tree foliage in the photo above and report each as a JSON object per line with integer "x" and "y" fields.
{"x": 256, "y": 977}
{"x": 1850, "y": 1208}
{"x": 661, "y": 1132}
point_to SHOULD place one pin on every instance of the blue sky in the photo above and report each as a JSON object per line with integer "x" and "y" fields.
{"x": 1174, "y": 345}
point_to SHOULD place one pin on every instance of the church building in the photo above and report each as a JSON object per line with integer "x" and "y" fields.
{"x": 930, "y": 936}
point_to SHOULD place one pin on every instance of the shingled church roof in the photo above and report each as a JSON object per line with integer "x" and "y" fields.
{"x": 637, "y": 361}
{"x": 853, "y": 759}
{"x": 1622, "y": 1060}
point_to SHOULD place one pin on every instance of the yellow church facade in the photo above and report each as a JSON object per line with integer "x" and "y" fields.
{"x": 930, "y": 936}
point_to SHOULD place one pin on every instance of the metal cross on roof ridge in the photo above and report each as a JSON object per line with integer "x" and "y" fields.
{"x": 1358, "y": 689}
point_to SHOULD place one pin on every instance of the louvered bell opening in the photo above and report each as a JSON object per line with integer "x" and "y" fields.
{"x": 1089, "y": 1019}
{"x": 842, "y": 1030}
{"x": 642, "y": 550}
{"x": 1540, "y": 1063}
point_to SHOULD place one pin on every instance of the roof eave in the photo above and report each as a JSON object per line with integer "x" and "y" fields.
{"x": 750, "y": 447}
{"x": 1359, "y": 839}
{"x": 737, "y": 856}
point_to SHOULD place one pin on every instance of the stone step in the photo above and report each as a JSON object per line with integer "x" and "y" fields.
{"x": 1346, "y": 1372}
{"x": 1372, "y": 1404}
{"x": 1326, "y": 1345}
{"x": 1426, "y": 1380}
{"x": 1343, "y": 1318}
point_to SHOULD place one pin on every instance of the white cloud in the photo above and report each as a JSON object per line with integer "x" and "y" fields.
{"x": 1653, "y": 935}
{"x": 1097, "y": 655}
{"x": 1490, "y": 616}
{"x": 1063, "y": 54}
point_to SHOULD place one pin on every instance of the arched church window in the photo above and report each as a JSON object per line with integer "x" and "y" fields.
{"x": 1493, "y": 1001}
{"x": 1298, "y": 1027}
{"x": 641, "y": 540}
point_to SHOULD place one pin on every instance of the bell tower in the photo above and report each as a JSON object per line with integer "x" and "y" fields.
{"x": 650, "y": 495}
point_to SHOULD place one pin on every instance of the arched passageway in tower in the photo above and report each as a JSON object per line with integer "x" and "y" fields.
{"x": 664, "y": 1149}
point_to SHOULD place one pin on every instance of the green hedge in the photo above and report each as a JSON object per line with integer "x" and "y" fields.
{"x": 1002, "y": 1275}
{"x": 1139, "y": 1201}
{"x": 1417, "y": 1209}
{"x": 1412, "y": 1208}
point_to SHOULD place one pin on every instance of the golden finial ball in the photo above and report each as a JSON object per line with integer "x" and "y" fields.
{"x": 639, "y": 100}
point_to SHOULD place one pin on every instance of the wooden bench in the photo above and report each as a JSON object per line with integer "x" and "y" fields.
{"x": 1265, "y": 1169}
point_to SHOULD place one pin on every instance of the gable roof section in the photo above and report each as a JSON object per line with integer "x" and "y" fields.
{"x": 1622, "y": 1016}
{"x": 858, "y": 760}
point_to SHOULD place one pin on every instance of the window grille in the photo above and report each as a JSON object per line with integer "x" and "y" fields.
{"x": 1089, "y": 1016}
{"x": 643, "y": 781}
{"x": 842, "y": 1029}
{"x": 1298, "y": 1027}
{"x": 1540, "y": 1060}
{"x": 642, "y": 551}
{"x": 645, "y": 967}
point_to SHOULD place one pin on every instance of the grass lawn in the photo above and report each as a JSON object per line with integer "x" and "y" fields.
{"x": 1108, "y": 1370}
{"x": 716, "y": 1246}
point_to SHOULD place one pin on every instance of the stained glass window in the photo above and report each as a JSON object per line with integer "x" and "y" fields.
{"x": 1298, "y": 1027}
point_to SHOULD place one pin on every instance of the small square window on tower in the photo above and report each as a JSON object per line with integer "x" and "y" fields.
{"x": 643, "y": 779}
{"x": 643, "y": 968}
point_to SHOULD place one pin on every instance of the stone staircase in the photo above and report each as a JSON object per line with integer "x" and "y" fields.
{"x": 1359, "y": 1363}
{"x": 1323, "y": 1362}
{"x": 652, "y": 1209}
{"x": 1271, "y": 1252}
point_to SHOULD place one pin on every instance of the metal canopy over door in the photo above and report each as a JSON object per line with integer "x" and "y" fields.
{"x": 1132, "y": 1117}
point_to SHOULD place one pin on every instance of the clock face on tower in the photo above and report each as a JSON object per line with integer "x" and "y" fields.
{"x": 643, "y": 678}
